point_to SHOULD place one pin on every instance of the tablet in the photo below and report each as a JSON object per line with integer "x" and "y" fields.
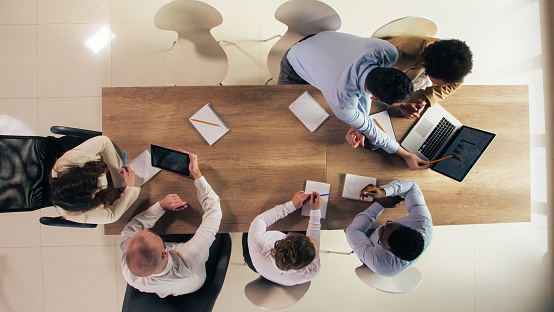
{"x": 170, "y": 160}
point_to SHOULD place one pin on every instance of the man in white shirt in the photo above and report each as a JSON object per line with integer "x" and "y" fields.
{"x": 285, "y": 259}
{"x": 150, "y": 265}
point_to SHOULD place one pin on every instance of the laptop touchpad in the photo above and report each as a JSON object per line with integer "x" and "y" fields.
{"x": 424, "y": 127}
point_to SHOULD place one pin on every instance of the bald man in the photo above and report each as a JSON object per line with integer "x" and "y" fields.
{"x": 151, "y": 265}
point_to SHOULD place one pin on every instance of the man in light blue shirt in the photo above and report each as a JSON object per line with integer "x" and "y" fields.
{"x": 396, "y": 245}
{"x": 351, "y": 71}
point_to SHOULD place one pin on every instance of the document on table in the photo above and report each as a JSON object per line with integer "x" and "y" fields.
{"x": 209, "y": 124}
{"x": 321, "y": 188}
{"x": 310, "y": 113}
{"x": 142, "y": 166}
{"x": 355, "y": 183}
{"x": 384, "y": 120}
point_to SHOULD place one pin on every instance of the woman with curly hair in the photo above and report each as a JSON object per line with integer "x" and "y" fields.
{"x": 285, "y": 259}
{"x": 81, "y": 187}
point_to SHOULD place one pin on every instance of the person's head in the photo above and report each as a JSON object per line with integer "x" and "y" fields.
{"x": 145, "y": 254}
{"x": 447, "y": 61}
{"x": 389, "y": 85}
{"x": 404, "y": 242}
{"x": 294, "y": 252}
{"x": 76, "y": 189}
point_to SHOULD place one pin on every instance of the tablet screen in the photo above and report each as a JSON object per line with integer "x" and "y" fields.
{"x": 170, "y": 160}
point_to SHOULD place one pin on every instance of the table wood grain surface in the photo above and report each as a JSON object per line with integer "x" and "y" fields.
{"x": 268, "y": 155}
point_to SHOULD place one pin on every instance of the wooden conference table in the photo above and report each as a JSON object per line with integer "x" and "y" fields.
{"x": 268, "y": 155}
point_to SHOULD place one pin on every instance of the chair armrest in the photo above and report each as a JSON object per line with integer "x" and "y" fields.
{"x": 82, "y": 133}
{"x": 59, "y": 221}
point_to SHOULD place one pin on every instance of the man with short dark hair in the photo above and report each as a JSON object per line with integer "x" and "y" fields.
{"x": 351, "y": 71}
{"x": 436, "y": 67}
{"x": 396, "y": 245}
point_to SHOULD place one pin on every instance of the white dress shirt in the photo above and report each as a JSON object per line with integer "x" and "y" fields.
{"x": 261, "y": 241}
{"x": 185, "y": 272}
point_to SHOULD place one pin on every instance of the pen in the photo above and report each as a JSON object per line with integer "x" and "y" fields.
{"x": 124, "y": 155}
{"x": 373, "y": 189}
{"x": 209, "y": 123}
{"x": 434, "y": 161}
{"x": 324, "y": 195}
{"x": 379, "y": 125}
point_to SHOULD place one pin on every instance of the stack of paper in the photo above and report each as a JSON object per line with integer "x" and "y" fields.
{"x": 321, "y": 188}
{"x": 142, "y": 166}
{"x": 209, "y": 124}
{"x": 310, "y": 113}
{"x": 383, "y": 119}
{"x": 355, "y": 183}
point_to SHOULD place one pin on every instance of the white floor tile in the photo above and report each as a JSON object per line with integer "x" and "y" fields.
{"x": 68, "y": 11}
{"x": 21, "y": 288}
{"x": 360, "y": 10}
{"x": 506, "y": 264}
{"x": 455, "y": 306}
{"x": 247, "y": 10}
{"x": 20, "y": 229}
{"x": 78, "y": 69}
{"x": 135, "y": 10}
{"x": 362, "y": 28}
{"x": 509, "y": 305}
{"x": 268, "y": 8}
{"x": 18, "y": 12}
{"x": 26, "y": 110}
{"x": 454, "y": 30}
{"x": 139, "y": 55}
{"x": 18, "y": 61}
{"x": 88, "y": 286}
{"x": 438, "y": 10}
{"x": 78, "y": 112}
{"x": 516, "y": 11}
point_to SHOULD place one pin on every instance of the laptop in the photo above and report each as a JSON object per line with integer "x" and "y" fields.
{"x": 438, "y": 134}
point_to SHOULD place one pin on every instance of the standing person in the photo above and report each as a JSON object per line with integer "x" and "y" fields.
{"x": 285, "y": 259}
{"x": 351, "y": 71}
{"x": 80, "y": 188}
{"x": 151, "y": 265}
{"x": 396, "y": 245}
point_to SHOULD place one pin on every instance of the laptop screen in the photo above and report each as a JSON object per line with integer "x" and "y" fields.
{"x": 465, "y": 147}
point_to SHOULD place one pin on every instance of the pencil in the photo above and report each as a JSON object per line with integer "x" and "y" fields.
{"x": 209, "y": 123}
{"x": 434, "y": 161}
{"x": 379, "y": 125}
{"x": 373, "y": 189}
{"x": 124, "y": 155}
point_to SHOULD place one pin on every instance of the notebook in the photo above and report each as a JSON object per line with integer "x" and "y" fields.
{"x": 210, "y": 132}
{"x": 321, "y": 188}
{"x": 310, "y": 113}
{"x": 143, "y": 168}
{"x": 383, "y": 119}
{"x": 355, "y": 183}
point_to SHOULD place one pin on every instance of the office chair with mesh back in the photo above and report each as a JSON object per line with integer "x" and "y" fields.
{"x": 26, "y": 162}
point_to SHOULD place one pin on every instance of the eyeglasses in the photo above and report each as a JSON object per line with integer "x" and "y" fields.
{"x": 383, "y": 230}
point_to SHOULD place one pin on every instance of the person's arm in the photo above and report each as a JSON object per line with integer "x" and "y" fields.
{"x": 105, "y": 215}
{"x": 415, "y": 203}
{"x": 355, "y": 234}
{"x": 143, "y": 220}
{"x": 436, "y": 93}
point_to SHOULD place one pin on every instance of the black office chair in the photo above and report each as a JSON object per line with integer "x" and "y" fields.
{"x": 202, "y": 300}
{"x": 26, "y": 162}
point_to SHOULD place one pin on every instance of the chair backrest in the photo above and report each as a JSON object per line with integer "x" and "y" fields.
{"x": 197, "y": 58}
{"x": 406, "y": 281}
{"x": 268, "y": 295}
{"x": 202, "y": 300}
{"x": 303, "y": 17}
{"x": 407, "y": 26}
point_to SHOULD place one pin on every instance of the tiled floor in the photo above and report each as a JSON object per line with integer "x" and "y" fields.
{"x": 48, "y": 76}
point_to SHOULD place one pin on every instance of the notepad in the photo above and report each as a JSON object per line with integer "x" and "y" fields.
{"x": 310, "y": 113}
{"x": 384, "y": 120}
{"x": 210, "y": 132}
{"x": 142, "y": 166}
{"x": 355, "y": 183}
{"x": 321, "y": 188}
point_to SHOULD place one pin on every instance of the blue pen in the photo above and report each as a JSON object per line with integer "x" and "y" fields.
{"x": 124, "y": 155}
{"x": 324, "y": 195}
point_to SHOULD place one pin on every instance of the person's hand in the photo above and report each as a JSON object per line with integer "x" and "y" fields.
{"x": 390, "y": 201}
{"x": 173, "y": 202}
{"x": 129, "y": 176}
{"x": 315, "y": 201}
{"x": 375, "y": 194}
{"x": 299, "y": 199}
{"x": 193, "y": 165}
{"x": 414, "y": 162}
{"x": 412, "y": 109}
{"x": 355, "y": 138}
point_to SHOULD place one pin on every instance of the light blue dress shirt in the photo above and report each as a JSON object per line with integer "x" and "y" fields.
{"x": 337, "y": 64}
{"x": 377, "y": 258}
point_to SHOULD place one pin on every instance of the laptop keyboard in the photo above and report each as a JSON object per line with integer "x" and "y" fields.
{"x": 435, "y": 140}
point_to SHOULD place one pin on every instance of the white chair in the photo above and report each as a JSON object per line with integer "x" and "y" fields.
{"x": 196, "y": 58}
{"x": 401, "y": 283}
{"x": 303, "y": 17}
{"x": 268, "y": 295}
{"x": 407, "y": 26}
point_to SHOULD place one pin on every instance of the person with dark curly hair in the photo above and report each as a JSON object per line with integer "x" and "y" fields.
{"x": 436, "y": 67}
{"x": 285, "y": 259}
{"x": 395, "y": 246}
{"x": 81, "y": 191}
{"x": 352, "y": 71}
